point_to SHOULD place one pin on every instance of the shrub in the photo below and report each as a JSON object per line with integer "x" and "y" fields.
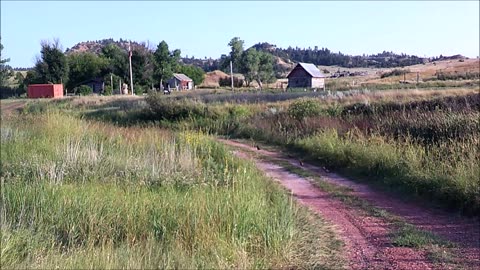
{"x": 108, "y": 91}
{"x": 395, "y": 72}
{"x": 139, "y": 90}
{"x": 84, "y": 90}
{"x": 302, "y": 108}
{"x": 227, "y": 81}
{"x": 173, "y": 110}
{"x": 457, "y": 76}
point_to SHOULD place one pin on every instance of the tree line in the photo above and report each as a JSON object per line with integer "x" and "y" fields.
{"x": 325, "y": 57}
{"x": 153, "y": 67}
{"x": 150, "y": 69}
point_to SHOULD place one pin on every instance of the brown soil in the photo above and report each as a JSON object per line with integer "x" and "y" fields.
{"x": 9, "y": 107}
{"x": 212, "y": 78}
{"x": 367, "y": 238}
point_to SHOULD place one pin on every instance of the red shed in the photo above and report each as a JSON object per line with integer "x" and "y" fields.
{"x": 45, "y": 90}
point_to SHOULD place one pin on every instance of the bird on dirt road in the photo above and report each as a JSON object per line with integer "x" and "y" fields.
{"x": 258, "y": 147}
{"x": 301, "y": 163}
{"x": 325, "y": 169}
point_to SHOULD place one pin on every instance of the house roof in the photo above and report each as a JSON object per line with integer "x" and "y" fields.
{"x": 181, "y": 77}
{"x": 310, "y": 69}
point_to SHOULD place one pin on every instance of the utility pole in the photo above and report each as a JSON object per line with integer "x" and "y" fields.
{"x": 111, "y": 81}
{"x": 130, "y": 62}
{"x": 231, "y": 73}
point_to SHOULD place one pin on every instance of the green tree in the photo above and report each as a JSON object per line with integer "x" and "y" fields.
{"x": 165, "y": 62}
{"x": 32, "y": 77}
{"x": 117, "y": 60}
{"x": 84, "y": 66}
{"x": 236, "y": 45}
{"x": 257, "y": 66}
{"x": 84, "y": 90}
{"x": 53, "y": 66}
{"x": 5, "y": 71}
{"x": 250, "y": 64}
{"x": 142, "y": 66}
{"x": 195, "y": 73}
{"x": 109, "y": 79}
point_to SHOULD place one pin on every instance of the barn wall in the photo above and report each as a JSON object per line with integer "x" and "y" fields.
{"x": 299, "y": 78}
{"x": 172, "y": 82}
{"x": 318, "y": 83}
{"x": 297, "y": 82}
{"x": 182, "y": 85}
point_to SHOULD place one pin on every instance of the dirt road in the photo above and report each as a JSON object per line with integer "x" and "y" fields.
{"x": 368, "y": 238}
{"x": 8, "y": 107}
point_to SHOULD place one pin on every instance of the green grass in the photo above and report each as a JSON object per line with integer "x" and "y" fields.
{"x": 444, "y": 173}
{"x": 84, "y": 194}
{"x": 426, "y": 148}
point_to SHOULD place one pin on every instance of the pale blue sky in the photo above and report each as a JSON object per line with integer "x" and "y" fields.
{"x": 203, "y": 29}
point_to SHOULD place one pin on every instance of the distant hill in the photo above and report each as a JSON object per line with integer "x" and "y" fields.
{"x": 97, "y": 45}
{"x": 207, "y": 64}
{"x": 325, "y": 57}
{"x": 285, "y": 58}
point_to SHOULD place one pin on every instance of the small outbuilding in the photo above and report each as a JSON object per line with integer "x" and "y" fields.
{"x": 180, "y": 82}
{"x": 97, "y": 85}
{"x": 45, "y": 90}
{"x": 306, "y": 75}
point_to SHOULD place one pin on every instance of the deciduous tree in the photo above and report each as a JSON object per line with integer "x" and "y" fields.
{"x": 257, "y": 66}
{"x": 85, "y": 66}
{"x": 195, "y": 73}
{"x": 165, "y": 62}
{"x": 52, "y": 67}
{"x": 5, "y": 71}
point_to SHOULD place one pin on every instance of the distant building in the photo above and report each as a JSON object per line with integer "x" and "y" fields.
{"x": 45, "y": 90}
{"x": 306, "y": 75}
{"x": 97, "y": 85}
{"x": 180, "y": 82}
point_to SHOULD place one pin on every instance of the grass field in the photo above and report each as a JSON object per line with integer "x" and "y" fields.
{"x": 78, "y": 193}
{"x": 99, "y": 182}
{"x": 426, "y": 145}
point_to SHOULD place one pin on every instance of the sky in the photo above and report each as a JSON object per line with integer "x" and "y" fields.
{"x": 204, "y": 28}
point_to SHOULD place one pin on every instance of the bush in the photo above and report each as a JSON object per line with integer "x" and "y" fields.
{"x": 84, "y": 90}
{"x": 395, "y": 72}
{"x": 302, "y": 108}
{"x": 139, "y": 90}
{"x": 442, "y": 76}
{"x": 108, "y": 91}
{"x": 6, "y": 91}
{"x": 227, "y": 81}
{"x": 174, "y": 110}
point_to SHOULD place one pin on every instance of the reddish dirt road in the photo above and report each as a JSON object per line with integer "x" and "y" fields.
{"x": 367, "y": 238}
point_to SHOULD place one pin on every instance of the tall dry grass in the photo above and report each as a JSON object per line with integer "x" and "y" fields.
{"x": 83, "y": 194}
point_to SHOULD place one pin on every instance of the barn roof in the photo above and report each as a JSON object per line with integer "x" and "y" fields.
{"x": 310, "y": 69}
{"x": 182, "y": 77}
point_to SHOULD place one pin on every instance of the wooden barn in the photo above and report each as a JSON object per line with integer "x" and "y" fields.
{"x": 180, "y": 82}
{"x": 306, "y": 75}
{"x": 45, "y": 90}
